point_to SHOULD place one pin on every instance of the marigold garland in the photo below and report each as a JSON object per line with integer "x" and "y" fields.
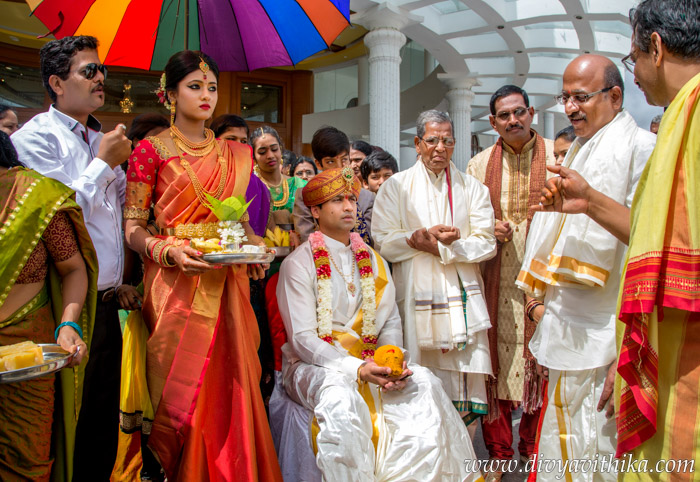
{"x": 324, "y": 310}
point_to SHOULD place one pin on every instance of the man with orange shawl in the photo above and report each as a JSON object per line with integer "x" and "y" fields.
{"x": 514, "y": 171}
{"x": 658, "y": 381}
{"x": 337, "y": 301}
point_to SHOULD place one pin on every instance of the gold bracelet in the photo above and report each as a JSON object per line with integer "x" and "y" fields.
{"x": 149, "y": 247}
{"x": 360, "y": 380}
{"x": 164, "y": 257}
{"x": 157, "y": 250}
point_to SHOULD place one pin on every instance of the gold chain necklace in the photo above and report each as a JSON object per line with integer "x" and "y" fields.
{"x": 193, "y": 152}
{"x": 351, "y": 283}
{"x": 193, "y": 146}
{"x": 285, "y": 189}
{"x": 196, "y": 183}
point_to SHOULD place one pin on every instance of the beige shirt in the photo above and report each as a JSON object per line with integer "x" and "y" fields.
{"x": 515, "y": 192}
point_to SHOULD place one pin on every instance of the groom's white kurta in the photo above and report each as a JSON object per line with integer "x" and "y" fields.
{"x": 421, "y": 436}
{"x": 414, "y": 199}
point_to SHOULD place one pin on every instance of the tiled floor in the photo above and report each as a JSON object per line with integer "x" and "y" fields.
{"x": 483, "y": 454}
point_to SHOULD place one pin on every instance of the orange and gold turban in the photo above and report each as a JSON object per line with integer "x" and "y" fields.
{"x": 328, "y": 184}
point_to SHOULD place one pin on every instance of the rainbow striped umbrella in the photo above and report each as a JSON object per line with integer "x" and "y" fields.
{"x": 239, "y": 34}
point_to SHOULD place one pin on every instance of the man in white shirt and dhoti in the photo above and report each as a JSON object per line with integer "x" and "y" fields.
{"x": 337, "y": 301}
{"x": 435, "y": 224}
{"x": 576, "y": 265}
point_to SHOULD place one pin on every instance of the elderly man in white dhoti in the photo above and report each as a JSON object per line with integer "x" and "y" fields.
{"x": 435, "y": 224}
{"x": 337, "y": 301}
{"x": 576, "y": 265}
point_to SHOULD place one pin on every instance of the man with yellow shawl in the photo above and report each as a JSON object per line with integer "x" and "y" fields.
{"x": 337, "y": 301}
{"x": 576, "y": 265}
{"x": 658, "y": 381}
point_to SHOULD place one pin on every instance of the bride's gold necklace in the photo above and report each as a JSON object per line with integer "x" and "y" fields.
{"x": 197, "y": 149}
{"x": 200, "y": 149}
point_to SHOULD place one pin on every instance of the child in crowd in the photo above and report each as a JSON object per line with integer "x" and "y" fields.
{"x": 377, "y": 168}
{"x": 562, "y": 142}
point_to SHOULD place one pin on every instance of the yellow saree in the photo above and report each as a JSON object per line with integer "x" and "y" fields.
{"x": 658, "y": 388}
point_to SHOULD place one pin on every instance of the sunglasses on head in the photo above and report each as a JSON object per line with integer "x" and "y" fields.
{"x": 90, "y": 70}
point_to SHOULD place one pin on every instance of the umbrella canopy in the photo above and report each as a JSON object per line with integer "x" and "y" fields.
{"x": 239, "y": 34}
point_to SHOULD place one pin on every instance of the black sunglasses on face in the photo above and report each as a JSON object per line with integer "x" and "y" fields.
{"x": 90, "y": 70}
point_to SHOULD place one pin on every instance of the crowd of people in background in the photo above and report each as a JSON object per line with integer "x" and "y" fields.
{"x": 556, "y": 277}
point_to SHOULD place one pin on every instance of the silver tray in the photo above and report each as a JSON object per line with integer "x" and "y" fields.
{"x": 281, "y": 251}
{"x": 55, "y": 358}
{"x": 239, "y": 258}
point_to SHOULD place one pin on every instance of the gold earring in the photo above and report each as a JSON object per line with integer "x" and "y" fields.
{"x": 172, "y": 112}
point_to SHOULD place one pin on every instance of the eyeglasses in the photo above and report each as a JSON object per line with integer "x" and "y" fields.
{"x": 90, "y": 70}
{"x": 628, "y": 62}
{"x": 578, "y": 99}
{"x": 435, "y": 141}
{"x": 505, "y": 116}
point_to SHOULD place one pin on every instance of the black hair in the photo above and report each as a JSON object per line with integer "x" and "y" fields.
{"x": 181, "y": 64}
{"x": 612, "y": 78}
{"x": 226, "y": 121}
{"x": 362, "y": 146}
{"x": 301, "y": 160}
{"x": 55, "y": 57}
{"x": 329, "y": 141}
{"x": 676, "y": 21}
{"x": 567, "y": 133}
{"x": 288, "y": 158}
{"x": 258, "y": 132}
{"x": 8, "y": 153}
{"x": 505, "y": 91}
{"x": 377, "y": 161}
{"x": 143, "y": 123}
{"x": 4, "y": 109}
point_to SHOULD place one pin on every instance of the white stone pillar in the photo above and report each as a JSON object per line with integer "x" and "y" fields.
{"x": 460, "y": 97}
{"x": 548, "y": 125}
{"x": 362, "y": 81}
{"x": 384, "y": 42}
{"x": 384, "y": 87}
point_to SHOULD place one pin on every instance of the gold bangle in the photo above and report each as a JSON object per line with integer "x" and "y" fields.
{"x": 149, "y": 246}
{"x": 164, "y": 257}
{"x": 359, "y": 380}
{"x": 157, "y": 250}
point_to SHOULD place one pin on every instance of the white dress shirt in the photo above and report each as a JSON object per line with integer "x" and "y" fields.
{"x": 58, "y": 146}
{"x": 297, "y": 292}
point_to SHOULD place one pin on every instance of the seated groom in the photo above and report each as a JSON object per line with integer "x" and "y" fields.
{"x": 336, "y": 298}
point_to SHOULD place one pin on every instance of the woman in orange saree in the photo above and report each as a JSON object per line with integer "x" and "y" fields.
{"x": 201, "y": 364}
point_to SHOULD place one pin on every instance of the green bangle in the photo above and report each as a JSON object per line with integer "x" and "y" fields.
{"x": 72, "y": 324}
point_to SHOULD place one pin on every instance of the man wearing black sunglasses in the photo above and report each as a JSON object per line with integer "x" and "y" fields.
{"x": 66, "y": 144}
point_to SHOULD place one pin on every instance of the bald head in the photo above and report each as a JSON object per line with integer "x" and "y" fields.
{"x": 597, "y": 65}
{"x": 590, "y": 74}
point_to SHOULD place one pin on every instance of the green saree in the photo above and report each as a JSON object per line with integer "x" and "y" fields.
{"x": 28, "y": 202}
